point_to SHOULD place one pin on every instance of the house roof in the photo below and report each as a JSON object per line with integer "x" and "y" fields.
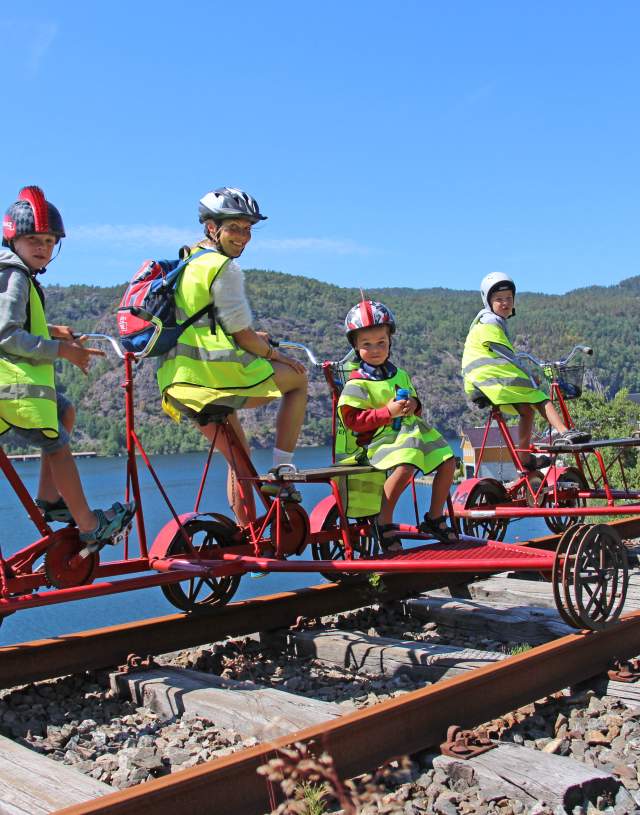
{"x": 494, "y": 439}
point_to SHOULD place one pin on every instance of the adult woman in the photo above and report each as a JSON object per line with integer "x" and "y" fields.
{"x": 221, "y": 363}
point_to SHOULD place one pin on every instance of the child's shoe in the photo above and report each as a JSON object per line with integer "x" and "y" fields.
{"x": 439, "y": 529}
{"x": 389, "y": 543}
{"x": 110, "y": 523}
{"x": 572, "y": 436}
{"x": 54, "y": 511}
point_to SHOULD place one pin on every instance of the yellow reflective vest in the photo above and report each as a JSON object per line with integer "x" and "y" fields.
{"x": 485, "y": 371}
{"x": 27, "y": 388}
{"x": 202, "y": 357}
{"x": 414, "y": 443}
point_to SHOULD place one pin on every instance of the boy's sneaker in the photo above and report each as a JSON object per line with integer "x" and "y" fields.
{"x": 111, "y": 523}
{"x": 54, "y": 511}
{"x": 573, "y": 436}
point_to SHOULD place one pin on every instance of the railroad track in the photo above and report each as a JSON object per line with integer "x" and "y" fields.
{"x": 357, "y": 741}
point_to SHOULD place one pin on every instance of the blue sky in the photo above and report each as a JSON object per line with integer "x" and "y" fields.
{"x": 414, "y": 144}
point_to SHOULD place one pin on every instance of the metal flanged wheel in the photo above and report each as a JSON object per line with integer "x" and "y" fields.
{"x": 486, "y": 494}
{"x": 364, "y": 547}
{"x": 202, "y": 592}
{"x": 559, "y": 523}
{"x": 562, "y": 563}
{"x": 62, "y": 564}
{"x": 594, "y": 576}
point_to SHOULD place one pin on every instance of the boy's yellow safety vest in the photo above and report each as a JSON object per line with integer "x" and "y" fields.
{"x": 201, "y": 357}
{"x": 27, "y": 389}
{"x": 414, "y": 443}
{"x": 485, "y": 371}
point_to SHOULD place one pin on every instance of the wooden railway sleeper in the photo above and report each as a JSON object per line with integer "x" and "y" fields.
{"x": 465, "y": 744}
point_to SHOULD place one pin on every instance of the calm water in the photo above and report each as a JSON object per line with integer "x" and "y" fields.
{"x": 103, "y": 479}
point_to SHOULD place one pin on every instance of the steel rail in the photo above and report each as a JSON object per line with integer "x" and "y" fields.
{"x": 360, "y": 741}
{"x": 105, "y": 647}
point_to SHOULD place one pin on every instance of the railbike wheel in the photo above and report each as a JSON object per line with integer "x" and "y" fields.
{"x": 590, "y": 576}
{"x": 558, "y": 523}
{"x": 486, "y": 493}
{"x": 562, "y": 564}
{"x": 365, "y": 547}
{"x": 61, "y": 564}
{"x": 199, "y": 592}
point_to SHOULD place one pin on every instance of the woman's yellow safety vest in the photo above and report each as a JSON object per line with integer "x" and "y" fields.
{"x": 27, "y": 388}
{"x": 499, "y": 379}
{"x": 202, "y": 357}
{"x": 414, "y": 443}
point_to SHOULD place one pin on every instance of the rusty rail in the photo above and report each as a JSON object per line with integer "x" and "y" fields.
{"x": 361, "y": 741}
{"x": 104, "y": 647}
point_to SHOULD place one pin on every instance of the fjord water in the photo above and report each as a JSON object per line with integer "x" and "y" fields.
{"x": 103, "y": 479}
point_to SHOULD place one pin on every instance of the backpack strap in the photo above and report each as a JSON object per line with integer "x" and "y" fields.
{"x": 209, "y": 308}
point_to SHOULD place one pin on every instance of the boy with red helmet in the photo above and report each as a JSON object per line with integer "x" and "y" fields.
{"x": 380, "y": 406}
{"x": 30, "y": 406}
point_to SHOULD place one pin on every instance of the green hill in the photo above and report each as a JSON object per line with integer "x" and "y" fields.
{"x": 432, "y": 325}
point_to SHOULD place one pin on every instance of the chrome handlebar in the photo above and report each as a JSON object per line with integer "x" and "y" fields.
{"x": 157, "y": 328}
{"x": 577, "y": 349}
{"x": 298, "y": 346}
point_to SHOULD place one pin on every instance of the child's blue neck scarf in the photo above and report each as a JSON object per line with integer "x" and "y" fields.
{"x": 378, "y": 372}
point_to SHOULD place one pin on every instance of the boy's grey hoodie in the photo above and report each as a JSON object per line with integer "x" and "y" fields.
{"x": 15, "y": 342}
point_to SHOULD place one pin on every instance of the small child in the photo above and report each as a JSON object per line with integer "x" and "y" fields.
{"x": 30, "y": 405}
{"x": 368, "y": 407}
{"x": 492, "y": 375}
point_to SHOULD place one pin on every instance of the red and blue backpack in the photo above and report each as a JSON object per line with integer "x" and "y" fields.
{"x": 151, "y": 293}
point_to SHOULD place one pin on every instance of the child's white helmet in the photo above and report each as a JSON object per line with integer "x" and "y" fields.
{"x": 495, "y": 281}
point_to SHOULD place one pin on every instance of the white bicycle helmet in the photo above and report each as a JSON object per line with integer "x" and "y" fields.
{"x": 493, "y": 282}
{"x": 229, "y": 202}
{"x": 366, "y": 314}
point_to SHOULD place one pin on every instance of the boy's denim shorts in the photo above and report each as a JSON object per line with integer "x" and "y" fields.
{"x": 37, "y": 437}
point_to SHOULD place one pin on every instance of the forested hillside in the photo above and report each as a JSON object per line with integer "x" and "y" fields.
{"x": 432, "y": 325}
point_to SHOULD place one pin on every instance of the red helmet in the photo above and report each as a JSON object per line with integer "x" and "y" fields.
{"x": 31, "y": 214}
{"x": 366, "y": 314}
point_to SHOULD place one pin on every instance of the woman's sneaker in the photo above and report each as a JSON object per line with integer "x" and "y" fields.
{"x": 111, "y": 523}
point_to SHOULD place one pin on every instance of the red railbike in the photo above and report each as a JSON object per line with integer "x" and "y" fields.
{"x": 199, "y": 557}
{"x": 576, "y": 485}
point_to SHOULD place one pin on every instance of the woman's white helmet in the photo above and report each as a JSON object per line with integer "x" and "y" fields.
{"x": 229, "y": 202}
{"x": 493, "y": 282}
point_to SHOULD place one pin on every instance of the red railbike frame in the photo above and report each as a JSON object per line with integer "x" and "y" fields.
{"x": 524, "y": 490}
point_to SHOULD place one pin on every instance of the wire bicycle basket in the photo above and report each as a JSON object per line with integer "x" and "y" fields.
{"x": 568, "y": 378}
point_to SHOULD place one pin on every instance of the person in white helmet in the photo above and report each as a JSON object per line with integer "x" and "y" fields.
{"x": 492, "y": 374}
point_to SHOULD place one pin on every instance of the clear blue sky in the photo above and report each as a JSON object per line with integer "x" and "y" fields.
{"x": 415, "y": 143}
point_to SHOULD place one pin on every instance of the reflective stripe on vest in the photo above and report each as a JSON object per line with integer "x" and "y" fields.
{"x": 27, "y": 389}
{"x": 203, "y": 358}
{"x": 361, "y": 495}
{"x": 414, "y": 443}
{"x": 502, "y": 381}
